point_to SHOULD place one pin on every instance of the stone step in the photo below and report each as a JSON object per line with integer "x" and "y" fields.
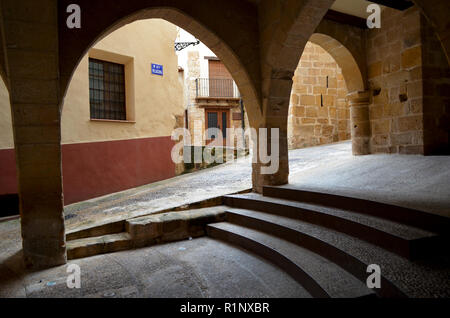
{"x": 419, "y": 219}
{"x": 404, "y": 240}
{"x": 90, "y": 246}
{"x": 399, "y": 276}
{"x": 172, "y": 226}
{"x": 143, "y": 231}
{"x": 106, "y": 228}
{"x": 319, "y": 276}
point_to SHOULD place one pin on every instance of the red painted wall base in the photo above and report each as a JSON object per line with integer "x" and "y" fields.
{"x": 94, "y": 169}
{"x": 8, "y": 174}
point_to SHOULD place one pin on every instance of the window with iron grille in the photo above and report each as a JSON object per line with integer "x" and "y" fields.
{"x": 107, "y": 90}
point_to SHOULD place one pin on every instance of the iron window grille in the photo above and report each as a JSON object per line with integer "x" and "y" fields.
{"x": 107, "y": 90}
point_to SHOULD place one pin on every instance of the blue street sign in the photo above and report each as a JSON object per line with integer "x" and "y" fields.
{"x": 157, "y": 69}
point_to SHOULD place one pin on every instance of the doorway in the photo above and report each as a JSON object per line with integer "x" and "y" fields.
{"x": 217, "y": 118}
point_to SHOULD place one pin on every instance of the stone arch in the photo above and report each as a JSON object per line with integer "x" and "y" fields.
{"x": 437, "y": 14}
{"x": 285, "y": 27}
{"x": 344, "y": 58}
{"x": 346, "y": 44}
{"x": 4, "y": 77}
{"x": 318, "y": 110}
{"x": 285, "y": 44}
{"x": 3, "y": 67}
{"x": 356, "y": 83}
{"x": 233, "y": 51}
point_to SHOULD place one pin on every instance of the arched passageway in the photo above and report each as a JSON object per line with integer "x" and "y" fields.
{"x": 41, "y": 54}
{"x": 261, "y": 59}
{"x": 38, "y": 137}
{"x": 329, "y": 100}
{"x": 73, "y": 46}
{"x": 117, "y": 117}
{"x": 351, "y": 71}
{"x": 282, "y": 45}
{"x": 319, "y": 113}
{"x": 358, "y": 97}
{"x": 42, "y": 35}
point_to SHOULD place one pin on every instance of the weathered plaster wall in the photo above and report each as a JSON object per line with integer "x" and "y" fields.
{"x": 318, "y": 112}
{"x": 100, "y": 157}
{"x": 95, "y": 169}
{"x": 156, "y": 99}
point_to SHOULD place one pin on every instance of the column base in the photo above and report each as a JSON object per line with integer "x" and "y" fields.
{"x": 39, "y": 253}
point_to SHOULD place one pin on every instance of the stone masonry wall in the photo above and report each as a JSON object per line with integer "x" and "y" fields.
{"x": 436, "y": 93}
{"x": 318, "y": 111}
{"x": 394, "y": 56}
{"x": 195, "y": 114}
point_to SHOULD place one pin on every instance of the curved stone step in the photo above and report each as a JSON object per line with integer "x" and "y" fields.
{"x": 404, "y": 240}
{"x": 419, "y": 219}
{"x": 400, "y": 277}
{"x": 98, "y": 245}
{"x": 318, "y": 275}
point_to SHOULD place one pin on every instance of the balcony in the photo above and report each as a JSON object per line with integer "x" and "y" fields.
{"x": 216, "y": 88}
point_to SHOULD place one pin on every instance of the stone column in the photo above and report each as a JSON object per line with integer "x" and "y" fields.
{"x": 281, "y": 175}
{"x": 31, "y": 38}
{"x": 360, "y": 123}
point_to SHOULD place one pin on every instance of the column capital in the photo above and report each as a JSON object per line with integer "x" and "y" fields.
{"x": 358, "y": 98}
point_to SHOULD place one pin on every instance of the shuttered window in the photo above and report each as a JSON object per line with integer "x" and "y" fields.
{"x": 220, "y": 80}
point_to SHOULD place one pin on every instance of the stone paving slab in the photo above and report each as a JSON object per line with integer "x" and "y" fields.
{"x": 407, "y": 180}
{"x": 412, "y": 181}
{"x": 160, "y": 196}
{"x": 190, "y": 269}
{"x": 201, "y": 185}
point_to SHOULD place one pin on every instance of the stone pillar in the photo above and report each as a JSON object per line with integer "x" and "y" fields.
{"x": 360, "y": 123}
{"x": 281, "y": 175}
{"x": 31, "y": 40}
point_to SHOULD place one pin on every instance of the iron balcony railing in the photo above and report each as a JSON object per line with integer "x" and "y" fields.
{"x": 216, "y": 87}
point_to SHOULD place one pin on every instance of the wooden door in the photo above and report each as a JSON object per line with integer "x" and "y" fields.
{"x": 217, "y": 118}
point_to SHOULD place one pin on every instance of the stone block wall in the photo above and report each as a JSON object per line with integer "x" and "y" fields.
{"x": 318, "y": 111}
{"x": 410, "y": 82}
{"x": 195, "y": 114}
{"x": 436, "y": 93}
{"x": 394, "y": 56}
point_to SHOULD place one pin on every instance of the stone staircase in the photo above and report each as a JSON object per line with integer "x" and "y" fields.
{"x": 142, "y": 231}
{"x": 324, "y": 241}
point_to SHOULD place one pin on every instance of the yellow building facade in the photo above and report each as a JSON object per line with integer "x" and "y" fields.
{"x": 118, "y": 115}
